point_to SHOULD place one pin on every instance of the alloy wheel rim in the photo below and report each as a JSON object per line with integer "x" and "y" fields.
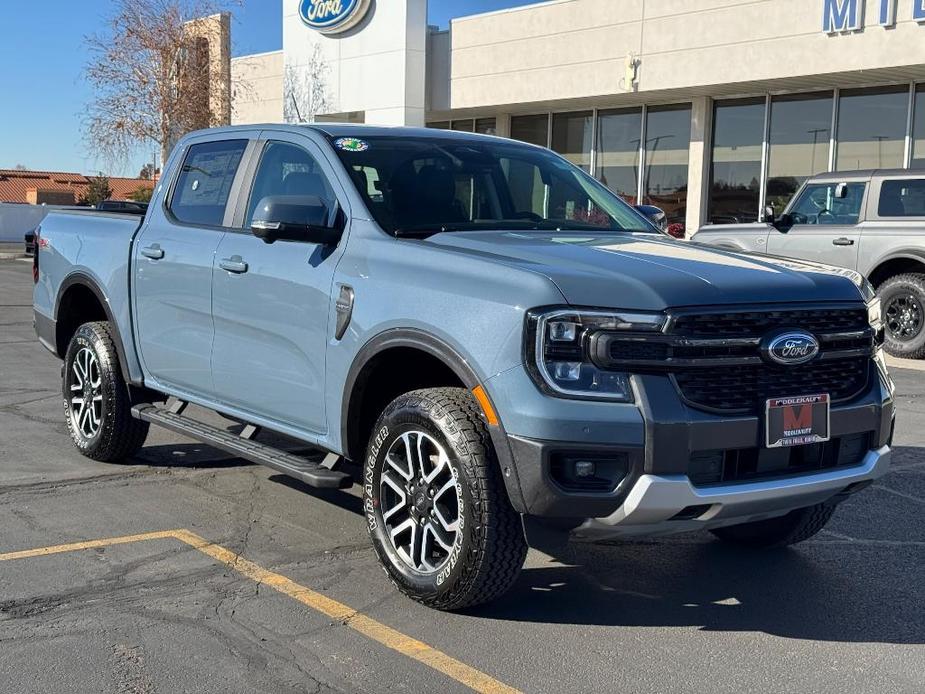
{"x": 420, "y": 502}
{"x": 86, "y": 393}
{"x": 904, "y": 317}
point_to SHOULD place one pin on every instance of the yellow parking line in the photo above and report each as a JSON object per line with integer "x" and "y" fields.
{"x": 387, "y": 636}
{"x": 91, "y": 544}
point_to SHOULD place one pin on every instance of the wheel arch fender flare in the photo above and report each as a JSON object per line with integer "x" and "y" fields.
{"x": 414, "y": 338}
{"x": 915, "y": 255}
{"x": 417, "y": 338}
{"x": 82, "y": 279}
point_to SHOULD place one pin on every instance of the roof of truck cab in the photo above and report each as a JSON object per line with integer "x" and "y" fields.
{"x": 335, "y": 130}
{"x": 867, "y": 174}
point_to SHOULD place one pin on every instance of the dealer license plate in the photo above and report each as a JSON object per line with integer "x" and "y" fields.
{"x": 797, "y": 421}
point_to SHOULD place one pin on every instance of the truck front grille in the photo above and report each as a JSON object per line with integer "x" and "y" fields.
{"x": 713, "y": 356}
{"x": 756, "y": 464}
{"x": 819, "y": 321}
{"x": 743, "y": 388}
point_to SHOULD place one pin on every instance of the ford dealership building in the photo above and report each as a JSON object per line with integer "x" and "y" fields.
{"x": 709, "y": 109}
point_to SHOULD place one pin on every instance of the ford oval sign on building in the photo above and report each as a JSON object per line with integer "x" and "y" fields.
{"x": 333, "y": 16}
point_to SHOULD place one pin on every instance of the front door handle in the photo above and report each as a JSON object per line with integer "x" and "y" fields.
{"x": 154, "y": 252}
{"x": 233, "y": 264}
{"x": 843, "y": 241}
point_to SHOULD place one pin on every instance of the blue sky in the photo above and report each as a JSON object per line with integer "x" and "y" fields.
{"x": 42, "y": 55}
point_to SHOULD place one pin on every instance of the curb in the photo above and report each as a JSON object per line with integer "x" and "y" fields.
{"x": 12, "y": 256}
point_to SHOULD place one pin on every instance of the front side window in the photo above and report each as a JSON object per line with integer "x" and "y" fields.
{"x": 288, "y": 170}
{"x": 424, "y": 185}
{"x": 829, "y": 203}
{"x": 204, "y": 184}
{"x": 904, "y": 198}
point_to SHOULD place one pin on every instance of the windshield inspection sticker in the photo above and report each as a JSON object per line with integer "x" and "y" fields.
{"x": 351, "y": 144}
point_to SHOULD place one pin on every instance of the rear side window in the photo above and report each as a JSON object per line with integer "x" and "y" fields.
{"x": 204, "y": 184}
{"x": 904, "y": 198}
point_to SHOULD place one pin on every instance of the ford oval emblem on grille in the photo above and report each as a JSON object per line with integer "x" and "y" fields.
{"x": 790, "y": 348}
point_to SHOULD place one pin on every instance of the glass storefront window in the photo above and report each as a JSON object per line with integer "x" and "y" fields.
{"x": 571, "y": 137}
{"x": 918, "y": 129}
{"x": 872, "y": 128}
{"x": 735, "y": 178}
{"x": 532, "y": 129}
{"x": 798, "y": 144}
{"x": 439, "y": 125}
{"x": 464, "y": 126}
{"x": 668, "y": 140}
{"x": 486, "y": 126}
{"x": 618, "y": 151}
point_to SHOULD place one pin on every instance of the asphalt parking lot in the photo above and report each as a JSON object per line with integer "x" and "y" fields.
{"x": 226, "y": 577}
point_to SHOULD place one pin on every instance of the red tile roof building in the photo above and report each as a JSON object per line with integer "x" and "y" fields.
{"x": 59, "y": 188}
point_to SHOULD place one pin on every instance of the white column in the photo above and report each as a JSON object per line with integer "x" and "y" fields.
{"x": 503, "y": 124}
{"x": 698, "y": 173}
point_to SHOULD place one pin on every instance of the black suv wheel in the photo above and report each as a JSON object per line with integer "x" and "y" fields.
{"x": 436, "y": 506}
{"x": 903, "y": 307}
{"x": 96, "y": 401}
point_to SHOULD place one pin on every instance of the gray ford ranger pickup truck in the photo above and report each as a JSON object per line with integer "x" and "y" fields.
{"x": 494, "y": 345}
{"x": 869, "y": 221}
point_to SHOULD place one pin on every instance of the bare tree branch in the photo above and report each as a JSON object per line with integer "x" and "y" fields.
{"x": 153, "y": 75}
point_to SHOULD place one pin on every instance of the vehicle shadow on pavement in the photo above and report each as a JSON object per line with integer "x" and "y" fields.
{"x": 825, "y": 590}
{"x": 185, "y": 455}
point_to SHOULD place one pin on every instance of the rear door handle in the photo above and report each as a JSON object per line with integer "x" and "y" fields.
{"x": 843, "y": 242}
{"x": 233, "y": 264}
{"x": 154, "y": 252}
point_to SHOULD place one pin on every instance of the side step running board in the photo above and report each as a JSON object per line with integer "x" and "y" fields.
{"x": 315, "y": 474}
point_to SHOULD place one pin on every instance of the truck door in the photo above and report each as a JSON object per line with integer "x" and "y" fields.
{"x": 173, "y": 258}
{"x": 826, "y": 230}
{"x": 272, "y": 301}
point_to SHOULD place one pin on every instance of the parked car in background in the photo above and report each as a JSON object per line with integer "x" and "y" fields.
{"x": 869, "y": 221}
{"x": 29, "y": 239}
{"x": 123, "y": 206}
{"x": 487, "y": 339}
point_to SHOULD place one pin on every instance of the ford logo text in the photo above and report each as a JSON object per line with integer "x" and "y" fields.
{"x": 791, "y": 348}
{"x": 333, "y": 16}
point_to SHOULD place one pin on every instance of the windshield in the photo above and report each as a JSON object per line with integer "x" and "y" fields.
{"x": 416, "y": 186}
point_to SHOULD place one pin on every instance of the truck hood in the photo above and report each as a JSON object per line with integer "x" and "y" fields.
{"x": 648, "y": 272}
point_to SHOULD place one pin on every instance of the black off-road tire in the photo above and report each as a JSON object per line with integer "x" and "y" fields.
{"x": 119, "y": 434}
{"x": 899, "y": 286}
{"x": 790, "y": 529}
{"x": 490, "y": 550}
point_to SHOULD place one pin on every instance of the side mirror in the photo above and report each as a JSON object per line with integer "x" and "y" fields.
{"x": 841, "y": 191}
{"x": 303, "y": 218}
{"x": 655, "y": 215}
{"x": 784, "y": 223}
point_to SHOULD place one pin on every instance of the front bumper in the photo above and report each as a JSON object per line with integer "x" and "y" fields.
{"x": 669, "y": 504}
{"x": 658, "y": 437}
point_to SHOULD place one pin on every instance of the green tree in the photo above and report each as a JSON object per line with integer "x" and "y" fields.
{"x": 142, "y": 194}
{"x": 97, "y": 191}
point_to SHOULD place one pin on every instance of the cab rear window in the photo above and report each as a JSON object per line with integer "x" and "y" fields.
{"x": 204, "y": 184}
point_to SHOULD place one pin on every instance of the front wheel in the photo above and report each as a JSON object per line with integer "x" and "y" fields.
{"x": 96, "y": 400}
{"x": 903, "y": 309}
{"x": 436, "y": 506}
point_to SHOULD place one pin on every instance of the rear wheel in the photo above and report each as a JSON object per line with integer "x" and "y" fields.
{"x": 790, "y": 529}
{"x": 436, "y": 505}
{"x": 97, "y": 408}
{"x": 903, "y": 307}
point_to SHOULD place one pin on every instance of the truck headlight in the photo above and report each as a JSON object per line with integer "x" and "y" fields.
{"x": 874, "y": 313}
{"x": 558, "y": 351}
